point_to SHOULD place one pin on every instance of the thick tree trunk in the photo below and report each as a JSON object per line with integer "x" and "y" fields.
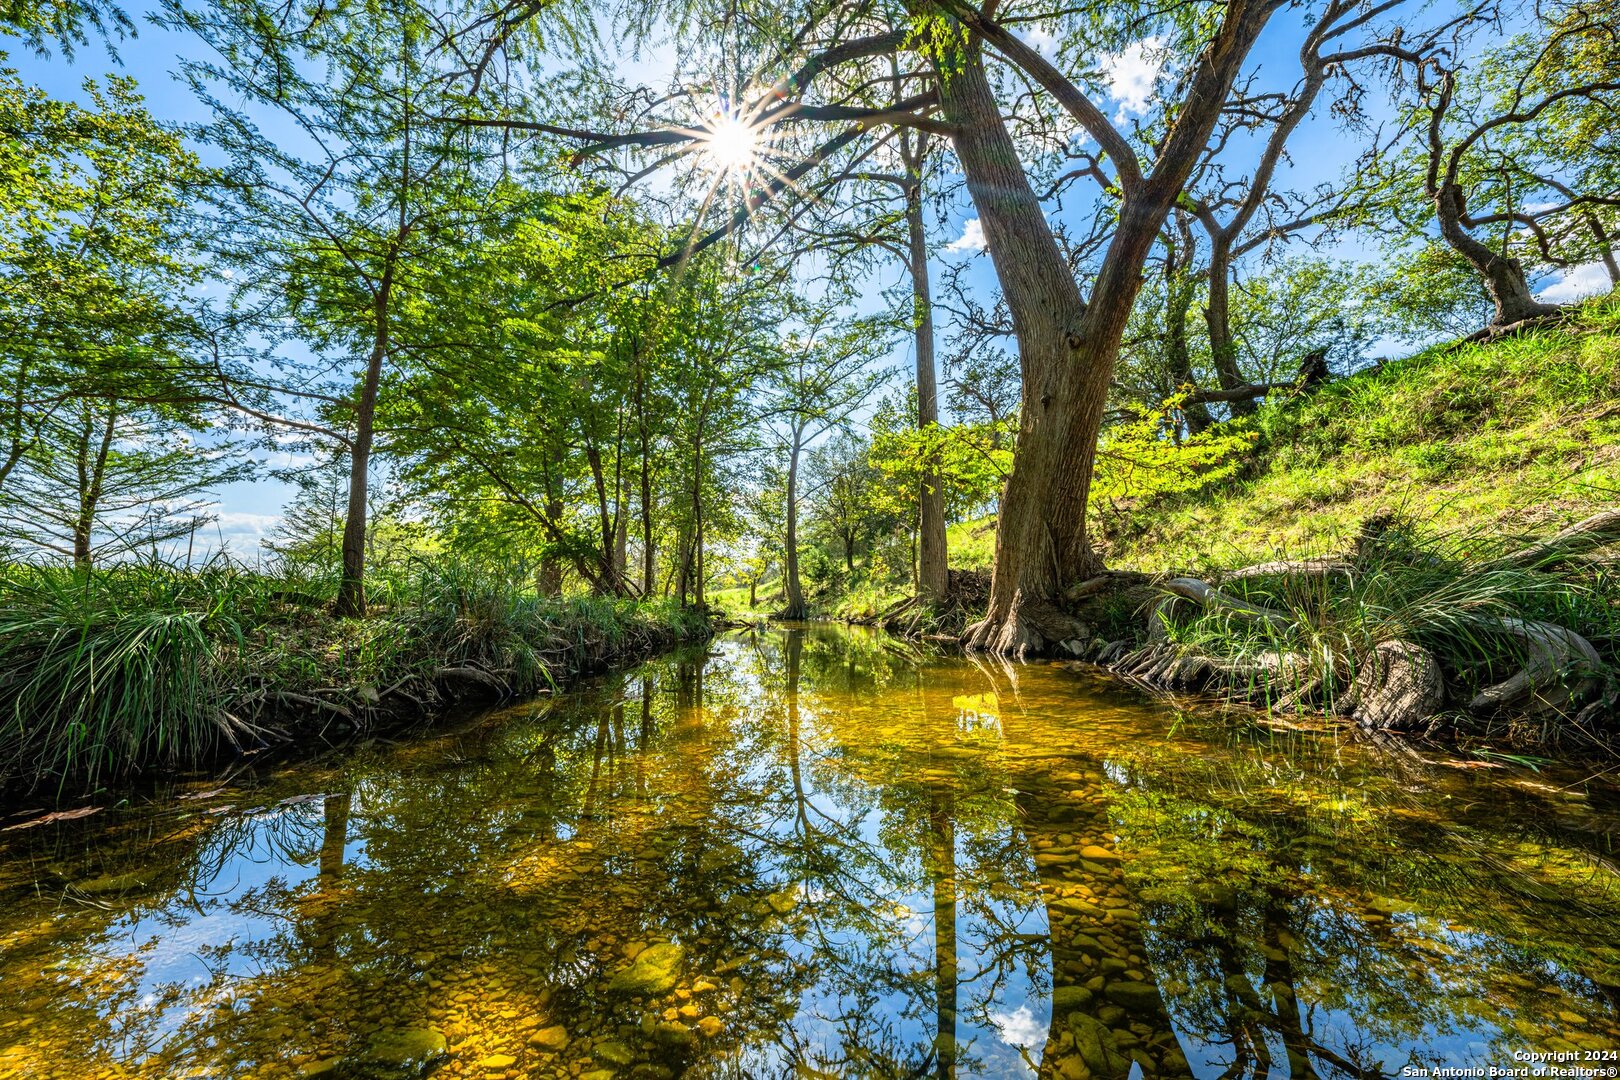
{"x": 351, "y": 597}
{"x": 1067, "y": 348}
{"x": 1040, "y": 536}
{"x": 1503, "y": 277}
{"x": 933, "y": 577}
{"x": 790, "y": 554}
{"x": 1218, "y": 316}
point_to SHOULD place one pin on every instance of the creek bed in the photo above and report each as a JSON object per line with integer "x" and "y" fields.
{"x": 807, "y": 850}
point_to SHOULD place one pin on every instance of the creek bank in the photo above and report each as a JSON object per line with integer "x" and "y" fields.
{"x": 129, "y": 672}
{"x": 1401, "y": 634}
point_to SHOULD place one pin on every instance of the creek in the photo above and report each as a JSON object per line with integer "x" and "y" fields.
{"x": 814, "y": 851}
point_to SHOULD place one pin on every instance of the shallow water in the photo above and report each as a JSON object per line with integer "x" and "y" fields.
{"x": 814, "y": 853}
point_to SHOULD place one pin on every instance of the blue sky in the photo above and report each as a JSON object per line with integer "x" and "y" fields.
{"x": 249, "y": 510}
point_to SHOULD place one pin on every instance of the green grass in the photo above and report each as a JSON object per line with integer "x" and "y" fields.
{"x": 1520, "y": 436}
{"x": 971, "y": 545}
{"x": 133, "y": 667}
{"x": 1432, "y": 590}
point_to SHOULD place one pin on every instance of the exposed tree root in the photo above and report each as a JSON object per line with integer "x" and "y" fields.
{"x": 1599, "y": 530}
{"x": 1498, "y": 331}
{"x": 1398, "y": 687}
{"x": 1026, "y": 630}
{"x": 1313, "y": 567}
{"x": 1558, "y": 672}
{"x": 1207, "y": 596}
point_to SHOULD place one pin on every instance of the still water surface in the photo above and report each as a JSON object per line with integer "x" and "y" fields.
{"x": 812, "y": 852}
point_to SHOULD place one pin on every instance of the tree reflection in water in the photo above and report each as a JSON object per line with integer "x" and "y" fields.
{"x": 815, "y": 852}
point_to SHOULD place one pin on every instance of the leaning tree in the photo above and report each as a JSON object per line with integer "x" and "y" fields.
{"x": 805, "y": 108}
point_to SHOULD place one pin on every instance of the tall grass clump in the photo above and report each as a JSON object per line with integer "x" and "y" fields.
{"x": 128, "y": 668}
{"x": 103, "y": 670}
{"x": 1307, "y": 630}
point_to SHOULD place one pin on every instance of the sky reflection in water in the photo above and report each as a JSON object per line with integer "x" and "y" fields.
{"x": 814, "y": 850}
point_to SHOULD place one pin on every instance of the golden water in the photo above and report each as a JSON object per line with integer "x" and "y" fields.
{"x": 815, "y": 853}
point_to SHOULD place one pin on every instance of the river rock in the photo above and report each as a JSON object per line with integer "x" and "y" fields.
{"x": 553, "y": 1038}
{"x": 1138, "y": 997}
{"x": 1095, "y": 1044}
{"x": 613, "y": 1053}
{"x": 1068, "y": 998}
{"x": 654, "y": 971}
{"x": 408, "y": 1052}
{"x": 672, "y": 1034}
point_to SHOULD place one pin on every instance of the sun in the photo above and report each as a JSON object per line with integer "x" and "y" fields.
{"x": 731, "y": 144}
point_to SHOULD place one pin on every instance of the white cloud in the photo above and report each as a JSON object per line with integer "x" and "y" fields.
{"x": 1042, "y": 39}
{"x": 244, "y": 523}
{"x": 1020, "y": 1028}
{"x": 1589, "y": 279}
{"x": 1133, "y": 75}
{"x": 972, "y": 238}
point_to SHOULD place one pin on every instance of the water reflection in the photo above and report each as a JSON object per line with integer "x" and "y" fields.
{"x": 815, "y": 853}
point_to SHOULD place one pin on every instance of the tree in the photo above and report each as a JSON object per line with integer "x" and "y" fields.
{"x": 843, "y": 488}
{"x": 329, "y": 245}
{"x": 120, "y": 479}
{"x": 1324, "y": 58}
{"x": 822, "y": 378}
{"x": 64, "y": 23}
{"x": 94, "y": 259}
{"x": 1068, "y": 342}
{"x": 1486, "y": 142}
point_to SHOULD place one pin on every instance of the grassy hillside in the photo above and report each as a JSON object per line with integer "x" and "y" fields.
{"x": 1518, "y": 436}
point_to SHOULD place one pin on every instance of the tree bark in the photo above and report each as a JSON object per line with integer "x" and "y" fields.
{"x": 92, "y": 479}
{"x": 697, "y": 519}
{"x": 1178, "y": 297}
{"x": 351, "y": 597}
{"x": 1040, "y": 534}
{"x": 1218, "y": 316}
{"x": 790, "y": 554}
{"x": 933, "y": 576}
{"x": 1503, "y": 276}
{"x": 1067, "y": 348}
{"x": 649, "y": 557}
{"x": 1605, "y": 244}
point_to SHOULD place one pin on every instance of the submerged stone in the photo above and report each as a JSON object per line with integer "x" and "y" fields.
{"x": 655, "y": 970}
{"x": 1095, "y": 1043}
{"x": 550, "y": 1038}
{"x": 407, "y": 1052}
{"x": 1138, "y": 997}
{"x": 614, "y": 1053}
{"x": 1068, "y": 998}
